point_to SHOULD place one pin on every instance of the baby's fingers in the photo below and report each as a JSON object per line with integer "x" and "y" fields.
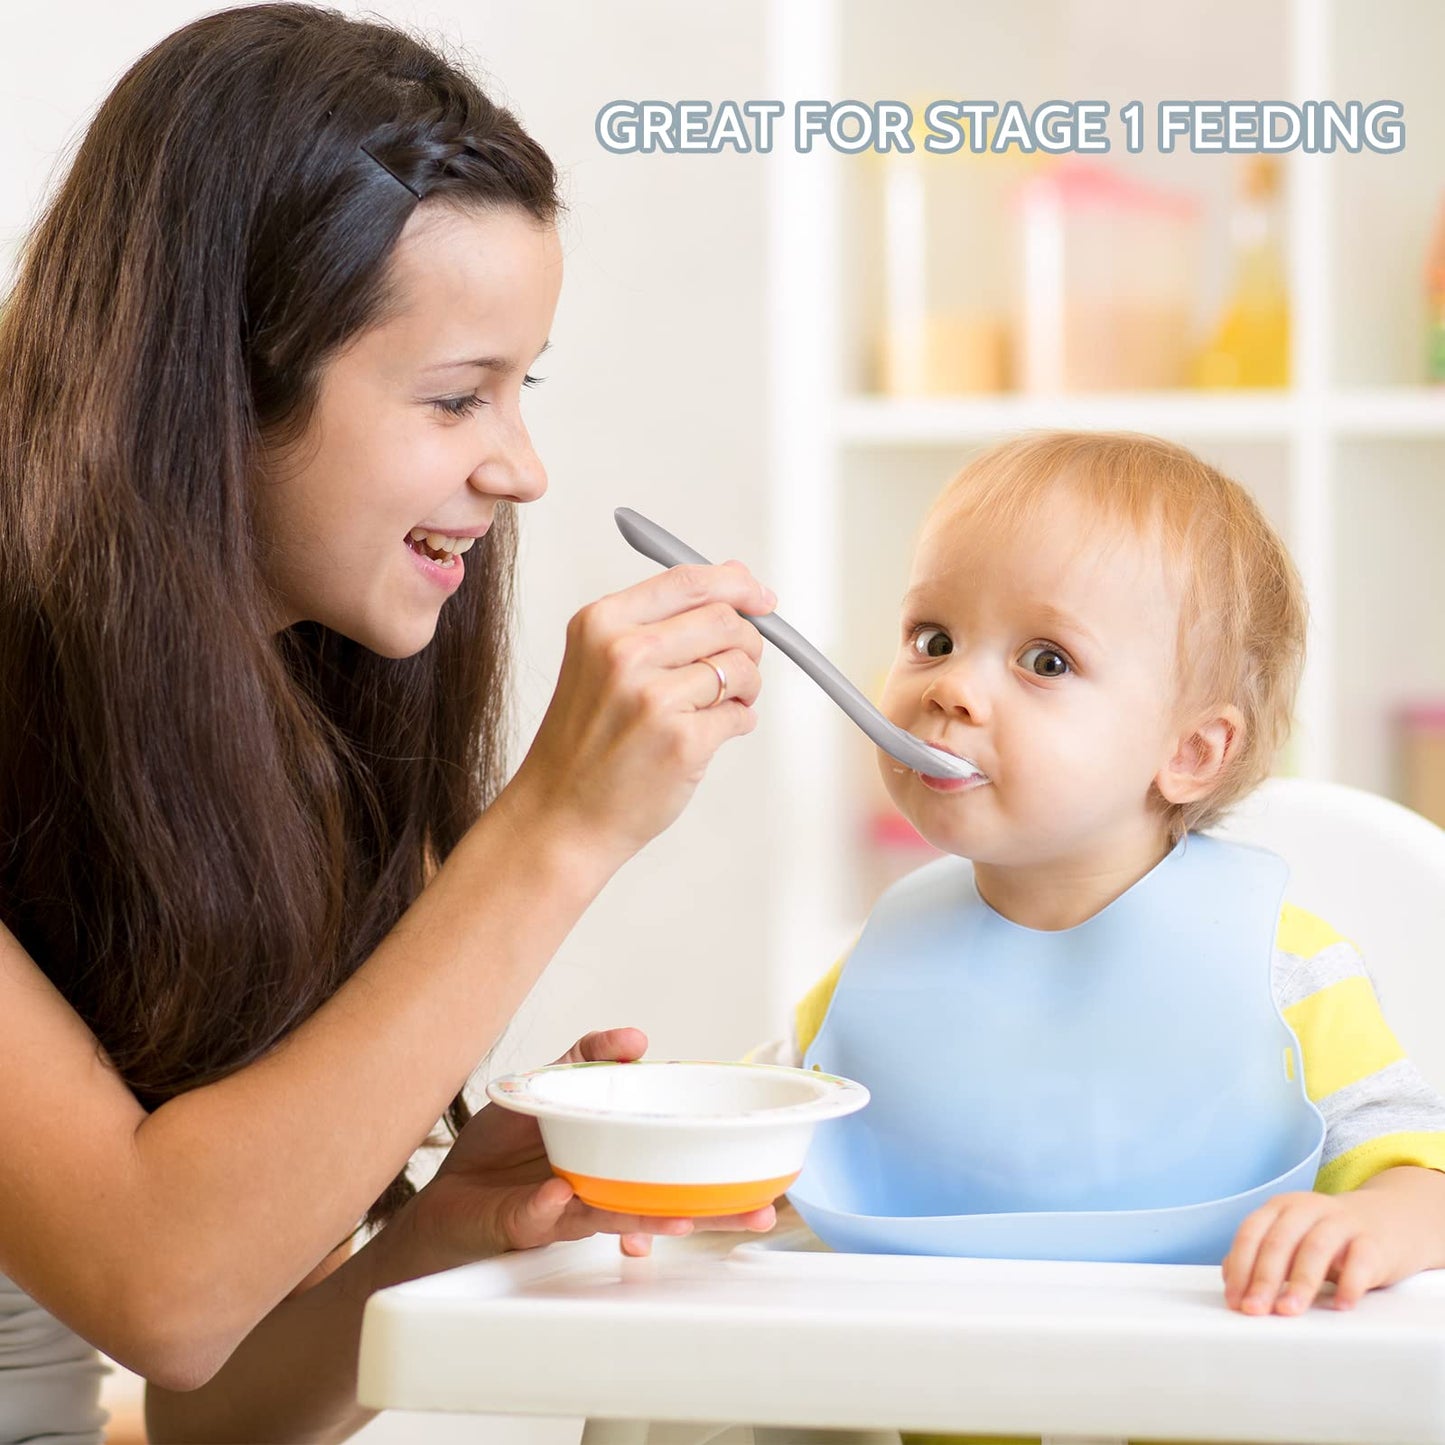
{"x": 1360, "y": 1269}
{"x": 1272, "y": 1261}
{"x": 1316, "y": 1253}
{"x": 1238, "y": 1267}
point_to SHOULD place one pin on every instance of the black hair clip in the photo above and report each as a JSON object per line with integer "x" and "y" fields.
{"x": 392, "y": 173}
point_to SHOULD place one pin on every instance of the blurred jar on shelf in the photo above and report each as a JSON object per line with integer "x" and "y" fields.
{"x": 1107, "y": 288}
{"x": 1420, "y": 735}
{"x": 1250, "y": 343}
{"x": 945, "y": 270}
{"x": 1435, "y": 301}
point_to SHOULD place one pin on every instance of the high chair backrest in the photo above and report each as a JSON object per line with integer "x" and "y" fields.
{"x": 1374, "y": 871}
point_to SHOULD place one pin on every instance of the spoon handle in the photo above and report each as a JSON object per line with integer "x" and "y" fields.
{"x": 652, "y": 541}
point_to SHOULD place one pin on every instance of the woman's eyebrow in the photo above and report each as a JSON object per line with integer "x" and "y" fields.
{"x": 486, "y": 363}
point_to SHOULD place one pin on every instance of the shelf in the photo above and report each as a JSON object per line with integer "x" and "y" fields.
{"x": 1393, "y": 411}
{"x": 925, "y": 421}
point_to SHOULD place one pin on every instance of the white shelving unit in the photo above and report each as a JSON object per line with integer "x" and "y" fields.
{"x": 1347, "y": 459}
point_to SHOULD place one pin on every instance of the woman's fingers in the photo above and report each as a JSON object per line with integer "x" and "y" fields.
{"x": 712, "y": 681}
{"x": 701, "y": 632}
{"x": 759, "y": 1221}
{"x": 638, "y": 714}
{"x": 550, "y": 1211}
{"x": 638, "y": 1226}
{"x": 680, "y": 589}
{"x": 607, "y": 1045}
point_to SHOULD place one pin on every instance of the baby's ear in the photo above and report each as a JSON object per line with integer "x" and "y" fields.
{"x": 1201, "y": 754}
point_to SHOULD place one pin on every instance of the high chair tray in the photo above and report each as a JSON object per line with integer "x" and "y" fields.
{"x": 781, "y": 1332}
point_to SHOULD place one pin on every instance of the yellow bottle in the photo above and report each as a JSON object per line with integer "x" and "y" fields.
{"x": 1250, "y": 346}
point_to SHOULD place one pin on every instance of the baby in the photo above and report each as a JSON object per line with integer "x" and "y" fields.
{"x": 1112, "y": 631}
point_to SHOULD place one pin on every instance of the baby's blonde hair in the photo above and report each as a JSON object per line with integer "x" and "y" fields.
{"x": 1242, "y": 610}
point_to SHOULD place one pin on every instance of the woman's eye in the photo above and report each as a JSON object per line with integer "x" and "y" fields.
{"x": 1045, "y": 661}
{"x": 459, "y": 405}
{"x": 463, "y": 405}
{"x": 931, "y": 642}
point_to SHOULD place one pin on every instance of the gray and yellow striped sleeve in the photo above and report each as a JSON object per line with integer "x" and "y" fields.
{"x": 1379, "y": 1111}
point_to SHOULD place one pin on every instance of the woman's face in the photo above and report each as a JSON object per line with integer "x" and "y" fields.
{"x": 418, "y": 430}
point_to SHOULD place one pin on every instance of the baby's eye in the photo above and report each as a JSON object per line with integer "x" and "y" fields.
{"x": 1046, "y": 661}
{"x": 931, "y": 642}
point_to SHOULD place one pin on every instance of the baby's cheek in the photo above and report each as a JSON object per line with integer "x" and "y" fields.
{"x": 898, "y": 781}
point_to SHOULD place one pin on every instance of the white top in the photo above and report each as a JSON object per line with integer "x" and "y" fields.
{"x": 49, "y": 1377}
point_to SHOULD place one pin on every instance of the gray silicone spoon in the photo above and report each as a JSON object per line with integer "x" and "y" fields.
{"x": 653, "y": 541}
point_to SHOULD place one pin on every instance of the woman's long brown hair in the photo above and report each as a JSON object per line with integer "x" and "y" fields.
{"x": 205, "y": 828}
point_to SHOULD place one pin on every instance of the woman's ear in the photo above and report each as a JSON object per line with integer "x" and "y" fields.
{"x": 1200, "y": 756}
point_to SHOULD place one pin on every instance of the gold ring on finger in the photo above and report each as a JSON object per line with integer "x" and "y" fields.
{"x": 722, "y": 681}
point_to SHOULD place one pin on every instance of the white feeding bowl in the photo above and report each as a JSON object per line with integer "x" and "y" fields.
{"x": 667, "y": 1138}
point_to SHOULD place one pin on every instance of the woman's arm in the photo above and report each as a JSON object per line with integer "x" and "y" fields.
{"x": 165, "y": 1238}
{"x": 293, "y": 1378}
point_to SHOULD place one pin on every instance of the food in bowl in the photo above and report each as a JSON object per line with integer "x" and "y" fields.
{"x": 676, "y": 1138}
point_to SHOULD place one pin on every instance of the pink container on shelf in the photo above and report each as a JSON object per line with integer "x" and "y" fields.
{"x": 1107, "y": 281}
{"x": 1420, "y": 733}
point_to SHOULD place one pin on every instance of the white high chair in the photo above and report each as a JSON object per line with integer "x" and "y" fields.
{"x": 1375, "y": 872}
{"x": 805, "y": 1345}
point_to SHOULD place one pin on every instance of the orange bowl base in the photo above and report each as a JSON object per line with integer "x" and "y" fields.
{"x": 677, "y": 1201}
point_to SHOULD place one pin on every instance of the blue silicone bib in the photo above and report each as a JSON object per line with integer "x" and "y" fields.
{"x": 1122, "y": 1090}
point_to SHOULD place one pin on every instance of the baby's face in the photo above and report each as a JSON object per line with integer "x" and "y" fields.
{"x": 1047, "y": 658}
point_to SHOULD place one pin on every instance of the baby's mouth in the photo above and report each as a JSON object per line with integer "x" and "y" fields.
{"x": 955, "y": 785}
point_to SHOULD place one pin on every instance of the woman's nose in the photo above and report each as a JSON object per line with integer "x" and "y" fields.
{"x": 512, "y": 469}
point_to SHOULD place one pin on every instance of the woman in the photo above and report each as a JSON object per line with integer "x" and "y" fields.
{"x": 266, "y": 900}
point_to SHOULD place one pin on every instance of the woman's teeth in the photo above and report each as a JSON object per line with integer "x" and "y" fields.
{"x": 442, "y": 550}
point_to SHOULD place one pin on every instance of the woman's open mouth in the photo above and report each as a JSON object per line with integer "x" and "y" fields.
{"x": 437, "y": 546}
{"x": 438, "y": 557}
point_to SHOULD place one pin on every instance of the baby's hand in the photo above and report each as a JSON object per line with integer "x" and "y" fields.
{"x": 1288, "y": 1248}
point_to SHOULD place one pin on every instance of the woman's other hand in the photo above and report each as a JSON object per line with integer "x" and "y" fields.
{"x": 639, "y": 709}
{"x": 495, "y": 1190}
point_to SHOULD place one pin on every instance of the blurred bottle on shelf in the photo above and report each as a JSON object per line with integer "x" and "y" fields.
{"x": 944, "y": 265}
{"x": 1435, "y": 301}
{"x": 1420, "y": 731}
{"x": 1250, "y": 344}
{"x": 1106, "y": 294}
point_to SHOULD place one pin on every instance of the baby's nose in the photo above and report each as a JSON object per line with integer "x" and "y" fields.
{"x": 959, "y": 688}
